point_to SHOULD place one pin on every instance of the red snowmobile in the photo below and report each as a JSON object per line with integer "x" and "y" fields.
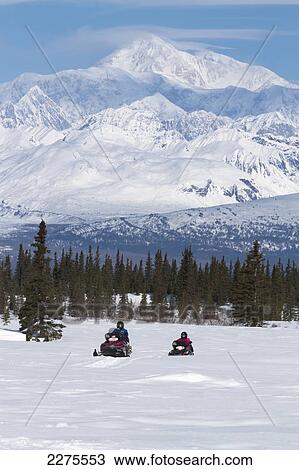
{"x": 114, "y": 346}
{"x": 182, "y": 346}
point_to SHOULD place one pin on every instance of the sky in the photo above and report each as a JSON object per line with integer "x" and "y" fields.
{"x": 77, "y": 33}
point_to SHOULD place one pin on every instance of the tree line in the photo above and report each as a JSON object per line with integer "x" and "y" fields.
{"x": 43, "y": 289}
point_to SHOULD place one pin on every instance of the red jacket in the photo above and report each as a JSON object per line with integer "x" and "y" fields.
{"x": 185, "y": 342}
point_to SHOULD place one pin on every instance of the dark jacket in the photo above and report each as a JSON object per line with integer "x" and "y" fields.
{"x": 122, "y": 334}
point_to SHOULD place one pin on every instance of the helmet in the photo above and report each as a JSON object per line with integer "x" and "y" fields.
{"x": 120, "y": 325}
{"x": 184, "y": 335}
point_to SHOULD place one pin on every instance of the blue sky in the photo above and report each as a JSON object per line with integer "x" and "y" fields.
{"x": 78, "y": 33}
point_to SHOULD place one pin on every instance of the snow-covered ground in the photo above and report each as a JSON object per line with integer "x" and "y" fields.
{"x": 151, "y": 401}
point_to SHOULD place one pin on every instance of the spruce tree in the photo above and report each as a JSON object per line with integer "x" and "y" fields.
{"x": 277, "y": 291}
{"x": 158, "y": 296}
{"x": 107, "y": 276}
{"x": 57, "y": 282}
{"x": 20, "y": 271}
{"x": 249, "y": 298}
{"x": 291, "y": 309}
{"x": 139, "y": 281}
{"x": 4, "y": 300}
{"x": 148, "y": 274}
{"x": 187, "y": 288}
{"x": 35, "y": 320}
{"x": 76, "y": 299}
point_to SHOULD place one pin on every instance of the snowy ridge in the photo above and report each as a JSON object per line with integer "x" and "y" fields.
{"x": 228, "y": 229}
{"x": 33, "y": 110}
{"x": 14, "y": 215}
{"x": 155, "y": 114}
{"x": 277, "y": 123}
{"x": 92, "y": 89}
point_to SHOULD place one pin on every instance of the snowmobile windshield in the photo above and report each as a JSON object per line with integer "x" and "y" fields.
{"x": 113, "y": 339}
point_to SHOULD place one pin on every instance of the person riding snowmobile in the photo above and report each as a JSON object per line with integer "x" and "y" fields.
{"x": 116, "y": 342}
{"x": 184, "y": 342}
{"x": 121, "y": 332}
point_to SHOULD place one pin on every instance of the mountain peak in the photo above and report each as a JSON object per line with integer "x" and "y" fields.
{"x": 159, "y": 104}
{"x": 35, "y": 91}
{"x": 207, "y": 70}
{"x": 34, "y": 97}
{"x": 145, "y": 47}
{"x": 151, "y": 54}
{"x": 151, "y": 40}
{"x": 34, "y": 109}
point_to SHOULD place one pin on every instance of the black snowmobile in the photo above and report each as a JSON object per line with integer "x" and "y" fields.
{"x": 114, "y": 346}
{"x": 179, "y": 349}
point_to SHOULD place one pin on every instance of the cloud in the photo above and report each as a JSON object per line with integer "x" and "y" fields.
{"x": 103, "y": 41}
{"x": 198, "y": 2}
{"x": 14, "y": 2}
{"x": 201, "y": 2}
{"x": 216, "y": 33}
{"x": 156, "y": 3}
{"x": 94, "y": 44}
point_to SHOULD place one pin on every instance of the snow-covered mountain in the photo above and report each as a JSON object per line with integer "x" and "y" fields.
{"x": 228, "y": 229}
{"x": 158, "y": 169}
{"x": 149, "y": 66}
{"x": 277, "y": 123}
{"x": 91, "y": 90}
{"x": 145, "y": 119}
{"x": 162, "y": 160}
{"x": 35, "y": 109}
{"x": 223, "y": 230}
{"x": 208, "y": 70}
{"x": 148, "y": 135}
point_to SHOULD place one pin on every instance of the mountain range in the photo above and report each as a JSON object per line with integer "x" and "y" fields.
{"x": 148, "y": 129}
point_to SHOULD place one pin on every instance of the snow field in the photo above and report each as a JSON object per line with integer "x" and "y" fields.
{"x": 151, "y": 401}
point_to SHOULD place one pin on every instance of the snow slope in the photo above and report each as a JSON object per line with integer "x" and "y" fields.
{"x": 152, "y": 401}
{"x": 160, "y": 159}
